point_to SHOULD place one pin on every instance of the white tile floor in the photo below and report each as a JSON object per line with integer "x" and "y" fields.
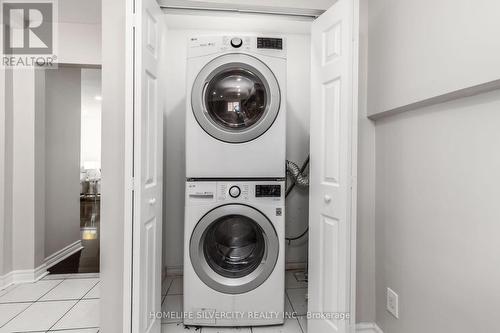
{"x": 70, "y": 304}
{"x": 295, "y": 301}
{"x": 62, "y": 303}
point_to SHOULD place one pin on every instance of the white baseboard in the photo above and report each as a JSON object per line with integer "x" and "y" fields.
{"x": 367, "y": 328}
{"x": 62, "y": 254}
{"x": 23, "y": 276}
{"x": 32, "y": 275}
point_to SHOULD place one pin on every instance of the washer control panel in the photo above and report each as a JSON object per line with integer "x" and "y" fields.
{"x": 231, "y": 191}
{"x": 268, "y": 191}
{"x": 203, "y": 192}
{"x": 250, "y": 191}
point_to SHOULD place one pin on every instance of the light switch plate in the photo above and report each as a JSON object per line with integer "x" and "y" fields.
{"x": 392, "y": 303}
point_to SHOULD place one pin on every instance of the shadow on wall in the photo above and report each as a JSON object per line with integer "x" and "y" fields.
{"x": 174, "y": 172}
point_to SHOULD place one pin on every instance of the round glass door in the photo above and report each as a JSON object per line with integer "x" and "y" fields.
{"x": 235, "y": 98}
{"x": 234, "y": 248}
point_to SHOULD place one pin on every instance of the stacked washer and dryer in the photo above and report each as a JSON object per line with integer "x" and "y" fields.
{"x": 234, "y": 254}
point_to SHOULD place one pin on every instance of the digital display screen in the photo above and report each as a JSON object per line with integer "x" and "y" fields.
{"x": 267, "y": 191}
{"x": 269, "y": 43}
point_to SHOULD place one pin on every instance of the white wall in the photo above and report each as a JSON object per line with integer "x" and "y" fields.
{"x": 3, "y": 189}
{"x": 7, "y": 249}
{"x": 62, "y": 158}
{"x": 436, "y": 166}
{"x": 365, "y": 256}
{"x": 112, "y": 270}
{"x": 437, "y": 217}
{"x": 87, "y": 50}
{"x": 90, "y": 148}
{"x": 79, "y": 32}
{"x": 424, "y": 49}
{"x": 297, "y": 123}
{"x": 40, "y": 166}
{"x": 27, "y": 220}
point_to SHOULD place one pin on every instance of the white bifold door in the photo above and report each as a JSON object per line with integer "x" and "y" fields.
{"x": 149, "y": 29}
{"x": 333, "y": 169}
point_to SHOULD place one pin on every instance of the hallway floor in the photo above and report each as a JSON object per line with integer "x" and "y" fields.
{"x": 295, "y": 302}
{"x": 57, "y": 303}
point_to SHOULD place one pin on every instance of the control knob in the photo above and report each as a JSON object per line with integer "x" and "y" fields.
{"x": 234, "y": 191}
{"x": 236, "y": 42}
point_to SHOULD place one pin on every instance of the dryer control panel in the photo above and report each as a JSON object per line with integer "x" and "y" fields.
{"x": 259, "y": 44}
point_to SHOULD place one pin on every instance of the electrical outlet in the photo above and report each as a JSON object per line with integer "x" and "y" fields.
{"x": 392, "y": 303}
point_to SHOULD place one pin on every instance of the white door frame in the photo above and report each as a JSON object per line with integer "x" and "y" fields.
{"x": 128, "y": 181}
{"x": 354, "y": 161}
{"x": 129, "y": 164}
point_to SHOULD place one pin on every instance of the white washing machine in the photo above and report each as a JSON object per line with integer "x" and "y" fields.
{"x": 236, "y": 106}
{"x": 234, "y": 255}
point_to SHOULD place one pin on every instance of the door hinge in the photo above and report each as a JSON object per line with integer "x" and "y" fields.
{"x": 133, "y": 19}
{"x": 132, "y": 184}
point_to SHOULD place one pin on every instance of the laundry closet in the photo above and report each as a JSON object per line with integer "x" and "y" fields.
{"x": 251, "y": 109}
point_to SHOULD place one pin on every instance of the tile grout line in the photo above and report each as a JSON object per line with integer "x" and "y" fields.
{"x": 296, "y": 316}
{"x": 298, "y": 322}
{"x": 289, "y": 300}
{"x": 11, "y": 319}
{"x": 14, "y": 286}
{"x": 78, "y": 301}
{"x": 71, "y": 329}
{"x": 164, "y": 297}
{"x": 99, "y": 281}
{"x": 36, "y": 300}
{"x": 170, "y": 286}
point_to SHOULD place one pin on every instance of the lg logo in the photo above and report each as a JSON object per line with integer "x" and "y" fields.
{"x": 28, "y": 28}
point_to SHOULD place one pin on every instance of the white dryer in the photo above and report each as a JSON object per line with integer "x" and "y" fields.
{"x": 236, "y": 106}
{"x": 234, "y": 253}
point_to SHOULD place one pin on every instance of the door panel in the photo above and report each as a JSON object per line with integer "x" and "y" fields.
{"x": 148, "y": 131}
{"x": 331, "y": 115}
{"x": 152, "y": 115}
{"x": 332, "y": 169}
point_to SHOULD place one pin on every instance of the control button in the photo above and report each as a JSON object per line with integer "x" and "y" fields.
{"x": 234, "y": 191}
{"x": 236, "y": 42}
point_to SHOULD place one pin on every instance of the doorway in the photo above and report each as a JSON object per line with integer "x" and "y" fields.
{"x": 72, "y": 168}
{"x": 332, "y": 244}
